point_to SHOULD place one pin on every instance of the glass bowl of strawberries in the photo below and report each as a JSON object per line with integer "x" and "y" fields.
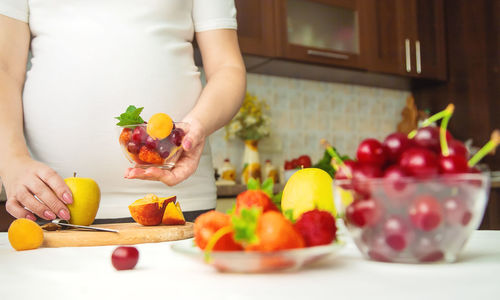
{"x": 156, "y": 143}
{"x": 416, "y": 198}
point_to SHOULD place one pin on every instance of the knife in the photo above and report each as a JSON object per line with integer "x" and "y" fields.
{"x": 65, "y": 223}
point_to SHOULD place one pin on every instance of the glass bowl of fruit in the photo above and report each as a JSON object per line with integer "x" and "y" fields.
{"x": 156, "y": 143}
{"x": 415, "y": 198}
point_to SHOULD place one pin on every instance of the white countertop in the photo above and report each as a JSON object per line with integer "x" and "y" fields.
{"x": 86, "y": 273}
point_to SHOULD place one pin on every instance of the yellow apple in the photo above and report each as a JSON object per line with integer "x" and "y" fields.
{"x": 306, "y": 190}
{"x": 86, "y": 199}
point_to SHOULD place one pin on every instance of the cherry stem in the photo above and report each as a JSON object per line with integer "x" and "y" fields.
{"x": 214, "y": 239}
{"x": 442, "y": 131}
{"x": 333, "y": 154}
{"x": 436, "y": 117}
{"x": 489, "y": 147}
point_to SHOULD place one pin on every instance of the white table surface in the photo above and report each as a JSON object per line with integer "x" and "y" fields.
{"x": 86, "y": 273}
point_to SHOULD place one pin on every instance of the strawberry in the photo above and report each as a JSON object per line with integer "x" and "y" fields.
{"x": 255, "y": 198}
{"x": 274, "y": 232}
{"x": 316, "y": 227}
{"x": 207, "y": 224}
{"x": 150, "y": 156}
{"x": 125, "y": 136}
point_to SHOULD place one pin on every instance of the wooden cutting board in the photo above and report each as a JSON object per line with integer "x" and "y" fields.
{"x": 130, "y": 234}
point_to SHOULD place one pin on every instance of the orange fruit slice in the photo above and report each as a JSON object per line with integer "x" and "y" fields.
{"x": 160, "y": 126}
{"x": 25, "y": 234}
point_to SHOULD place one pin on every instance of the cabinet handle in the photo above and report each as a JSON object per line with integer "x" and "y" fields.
{"x": 327, "y": 54}
{"x": 418, "y": 58}
{"x": 408, "y": 55}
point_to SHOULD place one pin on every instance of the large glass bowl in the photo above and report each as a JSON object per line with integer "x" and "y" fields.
{"x": 144, "y": 151}
{"x": 409, "y": 220}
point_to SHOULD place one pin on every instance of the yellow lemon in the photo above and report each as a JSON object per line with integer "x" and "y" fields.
{"x": 160, "y": 126}
{"x": 25, "y": 234}
{"x": 306, "y": 190}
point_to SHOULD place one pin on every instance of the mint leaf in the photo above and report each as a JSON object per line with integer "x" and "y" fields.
{"x": 253, "y": 184}
{"x": 245, "y": 225}
{"x": 267, "y": 187}
{"x": 130, "y": 117}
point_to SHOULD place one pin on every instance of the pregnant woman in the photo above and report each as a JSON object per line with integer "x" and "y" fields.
{"x": 90, "y": 60}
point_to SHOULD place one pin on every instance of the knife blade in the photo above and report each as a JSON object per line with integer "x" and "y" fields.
{"x": 65, "y": 223}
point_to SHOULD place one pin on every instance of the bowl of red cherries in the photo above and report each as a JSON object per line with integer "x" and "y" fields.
{"x": 416, "y": 198}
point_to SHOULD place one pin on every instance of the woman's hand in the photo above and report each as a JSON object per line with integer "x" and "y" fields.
{"x": 34, "y": 188}
{"x": 193, "y": 144}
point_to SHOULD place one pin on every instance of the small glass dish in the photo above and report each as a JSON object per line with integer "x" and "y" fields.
{"x": 410, "y": 220}
{"x": 144, "y": 151}
{"x": 258, "y": 262}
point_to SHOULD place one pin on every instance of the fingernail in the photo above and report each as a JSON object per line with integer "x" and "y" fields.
{"x": 187, "y": 144}
{"x": 49, "y": 215}
{"x": 30, "y": 217}
{"x": 64, "y": 214}
{"x": 67, "y": 198}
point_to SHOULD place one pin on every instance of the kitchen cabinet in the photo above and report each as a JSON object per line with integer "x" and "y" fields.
{"x": 256, "y": 27}
{"x": 406, "y": 37}
{"x": 401, "y": 37}
{"x": 327, "y": 32}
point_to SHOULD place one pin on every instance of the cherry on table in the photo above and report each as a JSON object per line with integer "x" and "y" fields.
{"x": 371, "y": 151}
{"x": 419, "y": 162}
{"x": 425, "y": 213}
{"x": 125, "y": 258}
{"x": 395, "y": 144}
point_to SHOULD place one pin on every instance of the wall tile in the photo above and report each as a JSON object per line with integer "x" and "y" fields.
{"x": 304, "y": 111}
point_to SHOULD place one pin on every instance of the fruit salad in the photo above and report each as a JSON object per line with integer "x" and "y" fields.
{"x": 156, "y": 143}
{"x": 417, "y": 197}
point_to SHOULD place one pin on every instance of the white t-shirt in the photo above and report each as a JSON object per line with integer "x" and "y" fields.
{"x": 93, "y": 58}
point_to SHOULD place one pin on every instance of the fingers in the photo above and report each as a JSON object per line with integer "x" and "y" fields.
{"x": 56, "y": 184}
{"x": 16, "y": 210}
{"x": 47, "y": 198}
{"x": 193, "y": 137}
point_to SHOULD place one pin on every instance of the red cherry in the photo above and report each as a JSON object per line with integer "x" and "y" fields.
{"x": 419, "y": 162}
{"x": 164, "y": 147}
{"x": 397, "y": 185}
{"x": 176, "y": 136}
{"x": 425, "y": 213}
{"x": 133, "y": 147}
{"x": 124, "y": 258}
{"x": 364, "y": 213}
{"x": 345, "y": 172}
{"x": 457, "y": 148}
{"x": 295, "y": 163}
{"x": 395, "y": 144}
{"x": 456, "y": 212}
{"x": 453, "y": 164}
{"x": 397, "y": 235}
{"x": 151, "y": 142}
{"x": 304, "y": 161}
{"x": 362, "y": 178}
{"x": 428, "y": 137}
{"x": 288, "y": 165}
{"x": 371, "y": 151}
{"x": 426, "y": 250}
{"x": 378, "y": 248}
{"x": 139, "y": 135}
